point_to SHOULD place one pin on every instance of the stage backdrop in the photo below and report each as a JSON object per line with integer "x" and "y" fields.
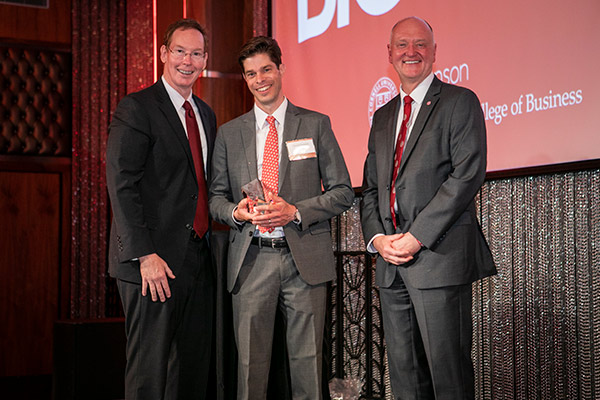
{"x": 533, "y": 64}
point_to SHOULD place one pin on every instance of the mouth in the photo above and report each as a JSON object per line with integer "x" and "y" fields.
{"x": 184, "y": 72}
{"x": 411, "y": 62}
{"x": 263, "y": 89}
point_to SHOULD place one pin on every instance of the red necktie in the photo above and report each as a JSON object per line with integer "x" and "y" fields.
{"x": 201, "y": 217}
{"x": 270, "y": 165}
{"x": 398, "y": 154}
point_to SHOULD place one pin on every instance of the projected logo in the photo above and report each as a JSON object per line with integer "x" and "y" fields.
{"x": 309, "y": 27}
{"x": 383, "y": 91}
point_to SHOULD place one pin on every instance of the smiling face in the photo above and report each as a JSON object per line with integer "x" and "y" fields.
{"x": 181, "y": 73}
{"x": 412, "y": 52}
{"x": 264, "y": 81}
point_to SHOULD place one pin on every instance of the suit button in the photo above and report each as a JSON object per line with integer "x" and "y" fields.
{"x": 189, "y": 227}
{"x": 387, "y": 187}
{"x": 195, "y": 197}
{"x": 388, "y": 219}
{"x": 250, "y": 233}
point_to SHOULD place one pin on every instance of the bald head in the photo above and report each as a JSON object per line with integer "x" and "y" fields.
{"x": 414, "y": 19}
{"x": 412, "y": 51}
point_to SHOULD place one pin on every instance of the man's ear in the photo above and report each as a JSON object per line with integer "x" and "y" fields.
{"x": 205, "y": 60}
{"x": 163, "y": 53}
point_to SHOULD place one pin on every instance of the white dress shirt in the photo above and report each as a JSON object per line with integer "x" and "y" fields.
{"x": 262, "y": 130}
{"x": 178, "y": 100}
{"x": 418, "y": 95}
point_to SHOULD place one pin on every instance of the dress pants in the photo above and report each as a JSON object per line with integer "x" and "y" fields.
{"x": 428, "y": 335}
{"x": 169, "y": 344}
{"x": 269, "y": 279}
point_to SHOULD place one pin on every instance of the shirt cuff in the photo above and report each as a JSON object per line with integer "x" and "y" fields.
{"x": 233, "y": 218}
{"x": 297, "y": 217}
{"x": 370, "y": 248}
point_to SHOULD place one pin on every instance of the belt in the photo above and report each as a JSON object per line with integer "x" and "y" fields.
{"x": 276, "y": 243}
{"x": 195, "y": 237}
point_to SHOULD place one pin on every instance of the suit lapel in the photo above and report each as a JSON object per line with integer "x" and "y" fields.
{"x": 167, "y": 108}
{"x": 248, "y": 141}
{"x": 204, "y": 117}
{"x": 389, "y": 138}
{"x": 290, "y": 132}
{"x": 429, "y": 102}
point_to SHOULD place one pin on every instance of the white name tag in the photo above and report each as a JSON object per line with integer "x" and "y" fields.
{"x": 301, "y": 149}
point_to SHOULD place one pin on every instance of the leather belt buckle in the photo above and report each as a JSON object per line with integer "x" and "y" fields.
{"x": 276, "y": 243}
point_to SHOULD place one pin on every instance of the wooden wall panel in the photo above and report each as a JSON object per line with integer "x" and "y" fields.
{"x": 30, "y": 264}
{"x": 228, "y": 97}
{"x": 31, "y": 24}
{"x": 230, "y": 25}
{"x": 167, "y": 11}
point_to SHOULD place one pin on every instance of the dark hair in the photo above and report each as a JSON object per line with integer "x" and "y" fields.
{"x": 184, "y": 24}
{"x": 260, "y": 45}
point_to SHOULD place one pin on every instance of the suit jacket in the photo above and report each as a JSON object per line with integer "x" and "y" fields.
{"x": 234, "y": 165}
{"x": 151, "y": 180}
{"x": 441, "y": 171}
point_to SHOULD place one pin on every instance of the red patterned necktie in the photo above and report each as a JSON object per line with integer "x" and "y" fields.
{"x": 201, "y": 217}
{"x": 270, "y": 165}
{"x": 400, "y": 142}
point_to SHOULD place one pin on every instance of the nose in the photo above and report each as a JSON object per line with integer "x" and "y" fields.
{"x": 187, "y": 57}
{"x": 410, "y": 49}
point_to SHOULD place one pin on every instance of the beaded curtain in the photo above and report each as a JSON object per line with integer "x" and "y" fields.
{"x": 536, "y": 324}
{"x": 99, "y": 55}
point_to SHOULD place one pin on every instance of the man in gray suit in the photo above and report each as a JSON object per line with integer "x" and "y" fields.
{"x": 280, "y": 254}
{"x": 158, "y": 150}
{"x": 425, "y": 164}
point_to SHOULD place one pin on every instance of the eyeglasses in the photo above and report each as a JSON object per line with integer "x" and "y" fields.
{"x": 179, "y": 54}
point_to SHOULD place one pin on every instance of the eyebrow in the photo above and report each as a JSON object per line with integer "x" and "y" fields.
{"x": 183, "y": 48}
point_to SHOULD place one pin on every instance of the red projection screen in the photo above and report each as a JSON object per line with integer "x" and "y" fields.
{"x": 535, "y": 66}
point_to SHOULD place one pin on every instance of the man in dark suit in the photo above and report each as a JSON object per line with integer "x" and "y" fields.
{"x": 420, "y": 218}
{"x": 280, "y": 254}
{"x": 159, "y": 147}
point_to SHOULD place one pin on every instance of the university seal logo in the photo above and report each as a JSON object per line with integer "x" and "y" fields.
{"x": 383, "y": 91}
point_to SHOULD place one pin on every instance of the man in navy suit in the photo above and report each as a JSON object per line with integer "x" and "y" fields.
{"x": 158, "y": 253}
{"x": 421, "y": 220}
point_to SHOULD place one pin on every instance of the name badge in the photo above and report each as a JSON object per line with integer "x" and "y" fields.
{"x": 301, "y": 149}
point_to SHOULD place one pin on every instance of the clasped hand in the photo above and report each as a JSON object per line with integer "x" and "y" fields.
{"x": 397, "y": 249}
{"x": 274, "y": 213}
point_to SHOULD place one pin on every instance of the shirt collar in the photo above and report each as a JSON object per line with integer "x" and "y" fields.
{"x": 279, "y": 114}
{"x": 418, "y": 94}
{"x": 176, "y": 98}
